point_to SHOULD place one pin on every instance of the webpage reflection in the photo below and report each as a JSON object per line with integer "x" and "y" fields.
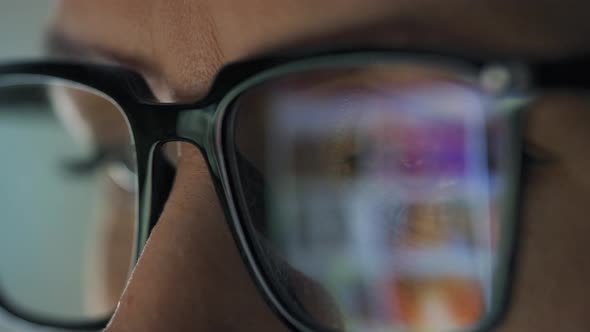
{"x": 403, "y": 238}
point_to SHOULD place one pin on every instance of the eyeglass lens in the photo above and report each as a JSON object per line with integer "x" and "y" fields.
{"x": 376, "y": 194}
{"x": 67, "y": 200}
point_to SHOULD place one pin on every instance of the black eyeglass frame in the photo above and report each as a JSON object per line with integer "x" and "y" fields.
{"x": 201, "y": 123}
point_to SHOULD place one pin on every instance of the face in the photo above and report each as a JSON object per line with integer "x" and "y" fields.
{"x": 190, "y": 275}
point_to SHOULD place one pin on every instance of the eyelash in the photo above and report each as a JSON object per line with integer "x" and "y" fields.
{"x": 101, "y": 157}
{"x": 532, "y": 154}
{"x": 118, "y": 163}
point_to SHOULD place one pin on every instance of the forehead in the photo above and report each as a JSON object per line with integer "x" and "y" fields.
{"x": 183, "y": 43}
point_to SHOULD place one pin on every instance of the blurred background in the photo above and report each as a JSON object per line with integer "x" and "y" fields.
{"x": 22, "y": 24}
{"x": 22, "y": 28}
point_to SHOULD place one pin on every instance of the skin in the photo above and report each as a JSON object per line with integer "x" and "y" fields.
{"x": 190, "y": 276}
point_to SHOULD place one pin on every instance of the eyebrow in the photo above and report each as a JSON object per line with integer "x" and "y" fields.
{"x": 544, "y": 73}
{"x": 58, "y": 45}
{"x": 377, "y": 33}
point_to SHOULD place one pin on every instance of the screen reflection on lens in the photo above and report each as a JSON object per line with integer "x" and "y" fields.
{"x": 381, "y": 186}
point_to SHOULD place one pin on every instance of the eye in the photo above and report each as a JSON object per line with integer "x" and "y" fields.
{"x": 118, "y": 162}
{"x": 535, "y": 155}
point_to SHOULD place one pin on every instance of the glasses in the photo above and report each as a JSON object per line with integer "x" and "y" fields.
{"x": 367, "y": 190}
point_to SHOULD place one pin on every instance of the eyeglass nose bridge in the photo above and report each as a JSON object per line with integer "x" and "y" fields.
{"x": 198, "y": 126}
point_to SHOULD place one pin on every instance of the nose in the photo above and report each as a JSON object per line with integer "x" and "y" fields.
{"x": 190, "y": 276}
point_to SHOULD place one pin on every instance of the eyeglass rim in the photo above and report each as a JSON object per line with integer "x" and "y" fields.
{"x": 130, "y": 91}
{"x": 246, "y": 243}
